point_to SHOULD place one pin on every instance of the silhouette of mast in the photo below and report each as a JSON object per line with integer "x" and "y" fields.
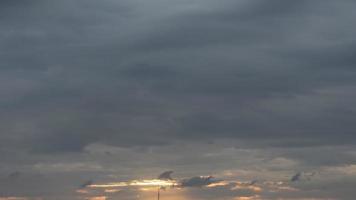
{"x": 158, "y": 193}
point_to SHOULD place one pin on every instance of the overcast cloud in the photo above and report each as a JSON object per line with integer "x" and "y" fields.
{"x": 115, "y": 90}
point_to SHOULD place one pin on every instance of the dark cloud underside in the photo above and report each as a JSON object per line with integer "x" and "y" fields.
{"x": 147, "y": 74}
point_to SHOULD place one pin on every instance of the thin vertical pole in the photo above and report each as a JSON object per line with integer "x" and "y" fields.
{"x": 158, "y": 193}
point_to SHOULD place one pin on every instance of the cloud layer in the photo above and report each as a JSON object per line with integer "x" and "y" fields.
{"x": 94, "y": 89}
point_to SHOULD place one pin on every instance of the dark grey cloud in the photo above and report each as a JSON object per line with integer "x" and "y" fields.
{"x": 209, "y": 71}
{"x": 296, "y": 177}
{"x": 198, "y": 181}
{"x": 86, "y": 183}
{"x": 143, "y": 75}
{"x": 166, "y": 175}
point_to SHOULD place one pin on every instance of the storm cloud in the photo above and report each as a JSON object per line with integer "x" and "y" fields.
{"x": 87, "y": 86}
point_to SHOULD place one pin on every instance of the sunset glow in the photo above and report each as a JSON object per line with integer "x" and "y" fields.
{"x": 153, "y": 183}
{"x": 138, "y": 183}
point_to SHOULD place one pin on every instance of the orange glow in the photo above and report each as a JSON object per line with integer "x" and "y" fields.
{"x": 153, "y": 182}
{"x": 112, "y": 190}
{"x": 241, "y": 185}
{"x": 221, "y": 183}
{"x": 81, "y": 191}
{"x": 149, "y": 193}
{"x": 148, "y": 183}
{"x": 97, "y": 198}
{"x": 148, "y": 189}
{"x": 256, "y": 197}
{"x": 109, "y": 185}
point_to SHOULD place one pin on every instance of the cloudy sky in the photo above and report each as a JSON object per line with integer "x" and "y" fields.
{"x": 97, "y": 96}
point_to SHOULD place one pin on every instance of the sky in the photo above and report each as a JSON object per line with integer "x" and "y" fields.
{"x": 96, "y": 96}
